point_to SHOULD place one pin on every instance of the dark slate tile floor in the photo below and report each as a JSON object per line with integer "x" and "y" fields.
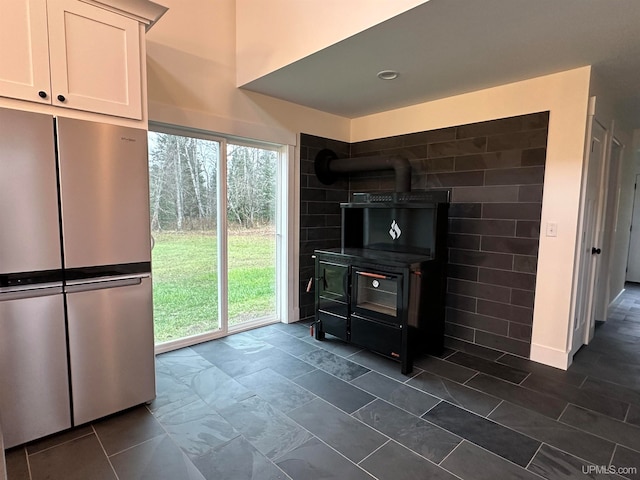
{"x": 273, "y": 403}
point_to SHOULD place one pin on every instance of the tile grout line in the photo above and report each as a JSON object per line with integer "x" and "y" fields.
{"x": 357, "y": 410}
{"x": 389, "y": 439}
{"x": 534, "y": 456}
{"x": 557, "y": 419}
{"x": 450, "y": 354}
{"x": 113, "y": 469}
{"x": 468, "y": 380}
{"x": 524, "y": 379}
{"x": 330, "y": 446}
{"x": 481, "y": 372}
{"x": 417, "y": 390}
{"x": 586, "y": 377}
{"x": 497, "y": 360}
{"x": 351, "y": 415}
{"x": 429, "y": 411}
{"x": 375, "y": 450}
{"x": 26, "y": 456}
{"x": 500, "y": 456}
{"x": 495, "y": 408}
{"x": 462, "y": 440}
{"x": 506, "y": 427}
{"x": 562, "y": 450}
{"x": 57, "y": 444}
{"x": 170, "y": 437}
{"x": 576, "y": 427}
{"x": 613, "y": 454}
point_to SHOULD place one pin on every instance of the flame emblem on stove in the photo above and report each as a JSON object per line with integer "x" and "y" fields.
{"x": 395, "y": 231}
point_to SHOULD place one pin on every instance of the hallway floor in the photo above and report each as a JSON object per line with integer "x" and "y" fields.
{"x": 273, "y": 403}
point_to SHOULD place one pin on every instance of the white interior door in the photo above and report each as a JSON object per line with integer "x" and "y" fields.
{"x": 633, "y": 261}
{"x": 608, "y": 227}
{"x": 588, "y": 259}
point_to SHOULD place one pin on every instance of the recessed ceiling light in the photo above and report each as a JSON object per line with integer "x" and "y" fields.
{"x": 387, "y": 75}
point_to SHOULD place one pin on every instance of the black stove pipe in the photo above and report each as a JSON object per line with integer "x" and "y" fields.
{"x": 329, "y": 167}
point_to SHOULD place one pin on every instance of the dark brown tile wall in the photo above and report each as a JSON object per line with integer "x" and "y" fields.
{"x": 495, "y": 171}
{"x": 319, "y": 212}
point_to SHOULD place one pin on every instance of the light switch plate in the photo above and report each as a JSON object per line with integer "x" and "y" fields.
{"x": 552, "y": 229}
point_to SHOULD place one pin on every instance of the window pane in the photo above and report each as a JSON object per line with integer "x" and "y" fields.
{"x": 182, "y": 176}
{"x": 251, "y": 217}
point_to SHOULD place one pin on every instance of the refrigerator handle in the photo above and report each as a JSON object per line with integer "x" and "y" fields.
{"x": 102, "y": 283}
{"x": 41, "y": 290}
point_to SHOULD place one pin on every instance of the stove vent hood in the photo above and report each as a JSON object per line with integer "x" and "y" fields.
{"x": 329, "y": 167}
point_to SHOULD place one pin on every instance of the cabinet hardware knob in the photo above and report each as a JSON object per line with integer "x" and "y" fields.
{"x": 61, "y": 98}
{"x": 595, "y": 251}
{"x": 42, "y": 94}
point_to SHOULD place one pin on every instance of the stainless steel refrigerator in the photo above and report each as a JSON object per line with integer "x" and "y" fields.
{"x": 76, "y": 326}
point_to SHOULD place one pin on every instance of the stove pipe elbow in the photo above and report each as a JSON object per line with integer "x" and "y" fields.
{"x": 329, "y": 167}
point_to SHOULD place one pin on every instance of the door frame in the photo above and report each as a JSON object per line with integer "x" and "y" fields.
{"x": 584, "y": 287}
{"x": 284, "y": 197}
{"x": 610, "y": 208}
{"x": 634, "y": 251}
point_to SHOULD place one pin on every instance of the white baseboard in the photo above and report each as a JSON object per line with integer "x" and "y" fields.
{"x": 551, "y": 356}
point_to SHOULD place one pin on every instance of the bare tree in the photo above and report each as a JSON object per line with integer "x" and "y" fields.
{"x": 183, "y": 179}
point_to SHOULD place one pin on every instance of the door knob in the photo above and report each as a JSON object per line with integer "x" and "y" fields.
{"x": 596, "y": 251}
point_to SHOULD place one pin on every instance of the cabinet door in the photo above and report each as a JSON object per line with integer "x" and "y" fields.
{"x": 24, "y": 53}
{"x": 95, "y": 59}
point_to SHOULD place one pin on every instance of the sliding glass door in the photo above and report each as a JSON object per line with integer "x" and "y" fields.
{"x": 213, "y": 219}
{"x": 251, "y": 234}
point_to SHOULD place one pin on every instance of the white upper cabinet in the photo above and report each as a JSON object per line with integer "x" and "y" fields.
{"x": 72, "y": 54}
{"x": 94, "y": 59}
{"x": 24, "y": 50}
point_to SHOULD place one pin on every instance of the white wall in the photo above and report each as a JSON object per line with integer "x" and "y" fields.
{"x": 191, "y": 67}
{"x": 275, "y": 33}
{"x": 565, "y": 95}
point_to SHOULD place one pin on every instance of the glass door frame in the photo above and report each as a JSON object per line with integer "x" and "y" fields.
{"x": 283, "y": 198}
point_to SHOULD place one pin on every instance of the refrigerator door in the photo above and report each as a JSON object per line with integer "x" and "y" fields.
{"x": 111, "y": 347}
{"x": 34, "y": 385}
{"x": 104, "y": 187}
{"x": 29, "y": 232}
{"x": 3, "y": 463}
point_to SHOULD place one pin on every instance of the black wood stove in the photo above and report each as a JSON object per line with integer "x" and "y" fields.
{"x": 384, "y": 289}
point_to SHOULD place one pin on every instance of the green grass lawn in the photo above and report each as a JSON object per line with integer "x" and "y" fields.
{"x": 185, "y": 291}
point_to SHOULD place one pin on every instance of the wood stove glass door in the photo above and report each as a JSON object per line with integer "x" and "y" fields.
{"x": 375, "y": 295}
{"x": 333, "y": 284}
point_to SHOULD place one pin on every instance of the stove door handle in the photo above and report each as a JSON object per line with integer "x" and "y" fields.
{"x": 373, "y": 275}
{"x": 346, "y": 282}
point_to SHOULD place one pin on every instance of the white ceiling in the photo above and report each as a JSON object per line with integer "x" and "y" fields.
{"x": 448, "y": 47}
